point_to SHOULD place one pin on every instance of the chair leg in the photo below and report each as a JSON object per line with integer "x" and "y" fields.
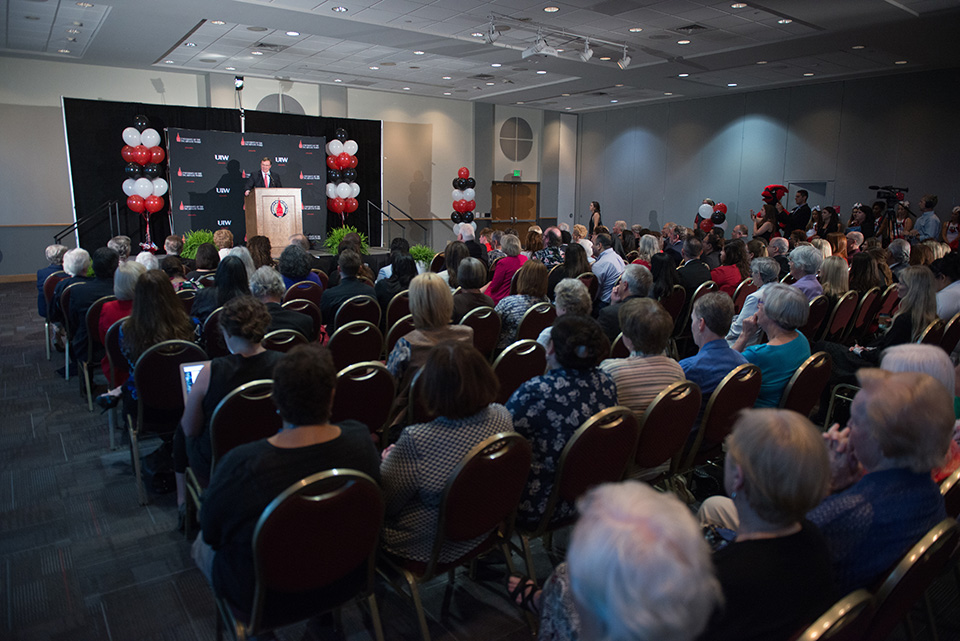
{"x": 112, "y": 426}
{"x": 135, "y": 457}
{"x": 928, "y": 610}
{"x": 88, "y": 384}
{"x": 421, "y": 615}
{"x": 528, "y": 557}
{"x": 66, "y": 359}
{"x": 375, "y": 617}
{"x": 46, "y": 336}
{"x": 508, "y": 557}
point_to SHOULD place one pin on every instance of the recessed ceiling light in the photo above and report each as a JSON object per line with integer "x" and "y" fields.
{"x": 293, "y": 34}
{"x": 636, "y": 29}
{"x": 63, "y": 51}
{"x": 551, "y": 9}
{"x": 73, "y": 31}
{"x": 340, "y": 9}
{"x": 85, "y": 5}
{"x": 858, "y": 47}
{"x": 604, "y": 57}
{"x": 541, "y": 72}
{"x": 565, "y": 95}
{"x": 168, "y": 62}
{"x": 446, "y": 93}
{"x": 490, "y": 84}
{"x": 761, "y": 62}
{"x": 560, "y": 50}
{"x": 807, "y": 75}
{"x": 683, "y": 42}
{"x": 189, "y": 44}
{"x": 568, "y": 107}
{"x": 374, "y": 68}
{"x": 257, "y": 53}
{"x": 520, "y": 102}
{"x": 739, "y": 5}
{"x": 418, "y": 53}
{"x": 784, "y": 21}
{"x": 618, "y": 85}
{"x": 900, "y": 62}
{"x": 77, "y": 24}
{"x": 682, "y": 75}
{"x": 446, "y": 78}
{"x": 731, "y": 84}
{"x": 614, "y": 101}
{"x": 667, "y": 93}
{"x": 406, "y": 88}
{"x": 230, "y": 68}
{"x": 476, "y": 34}
{"x": 337, "y": 80}
{"x": 71, "y": 39}
{"x": 495, "y": 64}
{"x": 218, "y": 22}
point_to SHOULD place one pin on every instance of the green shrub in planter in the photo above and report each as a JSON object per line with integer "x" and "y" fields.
{"x": 193, "y": 240}
{"x": 336, "y": 235}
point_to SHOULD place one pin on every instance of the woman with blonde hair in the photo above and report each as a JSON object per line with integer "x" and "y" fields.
{"x": 834, "y": 278}
{"x": 823, "y": 247}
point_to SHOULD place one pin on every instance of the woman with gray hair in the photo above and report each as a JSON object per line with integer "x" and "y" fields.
{"x": 765, "y": 272}
{"x": 781, "y": 312}
{"x": 572, "y": 297}
{"x": 54, "y": 255}
{"x": 804, "y": 262}
{"x": 76, "y": 263}
{"x": 148, "y": 260}
{"x": 647, "y": 247}
{"x": 124, "y": 284}
{"x": 637, "y": 569}
{"x": 244, "y": 255}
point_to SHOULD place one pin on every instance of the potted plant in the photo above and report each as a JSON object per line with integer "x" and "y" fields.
{"x": 423, "y": 255}
{"x": 193, "y": 240}
{"x": 336, "y": 235}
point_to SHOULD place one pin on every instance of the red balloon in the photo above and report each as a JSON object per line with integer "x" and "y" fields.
{"x": 332, "y": 162}
{"x": 336, "y": 205}
{"x": 351, "y": 205}
{"x": 156, "y": 154}
{"x": 458, "y": 206}
{"x": 706, "y": 225}
{"x": 141, "y": 155}
{"x": 343, "y": 160}
{"x": 470, "y": 206}
{"x": 353, "y": 163}
{"x": 127, "y": 153}
{"x": 135, "y": 204}
{"x": 463, "y": 172}
{"x": 153, "y": 204}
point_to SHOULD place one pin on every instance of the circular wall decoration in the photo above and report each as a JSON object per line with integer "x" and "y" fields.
{"x": 272, "y": 101}
{"x": 516, "y": 139}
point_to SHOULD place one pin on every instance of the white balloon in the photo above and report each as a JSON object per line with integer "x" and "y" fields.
{"x": 354, "y": 190}
{"x": 150, "y": 138}
{"x": 457, "y": 195}
{"x": 127, "y": 186}
{"x": 469, "y": 194}
{"x": 351, "y": 147}
{"x": 705, "y": 210}
{"x": 143, "y": 187}
{"x": 335, "y": 147}
{"x": 131, "y": 136}
{"x": 343, "y": 190}
{"x": 159, "y": 186}
{"x": 331, "y": 190}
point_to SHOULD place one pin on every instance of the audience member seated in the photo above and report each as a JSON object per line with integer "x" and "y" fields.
{"x": 946, "y": 273}
{"x": 673, "y": 242}
{"x": 575, "y": 262}
{"x": 261, "y": 252}
{"x": 82, "y": 296}
{"x": 572, "y": 297}
{"x": 782, "y": 310}
{"x": 173, "y": 267}
{"x": 776, "y": 573}
{"x": 303, "y": 243}
{"x": 637, "y": 568}
{"x": 172, "y": 246}
{"x": 403, "y": 269}
{"x": 230, "y": 281}
{"x": 124, "y": 285}
{"x": 709, "y": 323}
{"x": 397, "y": 246}
{"x": 466, "y": 233}
{"x": 499, "y": 287}
{"x": 834, "y": 278}
{"x": 531, "y": 289}
{"x": 647, "y": 247}
{"x": 452, "y": 255}
{"x": 267, "y": 286}
{"x": 804, "y": 264}
{"x": 495, "y": 251}
{"x": 646, "y": 372}
{"x": 459, "y": 388}
{"x": 865, "y": 274}
{"x": 472, "y": 275}
{"x": 251, "y": 476}
{"x": 205, "y": 262}
{"x": 76, "y": 263}
{"x": 665, "y": 276}
{"x": 734, "y": 268}
{"x": 899, "y": 257}
{"x": 713, "y": 244}
{"x": 778, "y": 249}
{"x": 54, "y": 255}
{"x": 765, "y": 272}
{"x": 552, "y": 253}
{"x": 121, "y": 245}
{"x": 607, "y": 267}
{"x": 294, "y": 266}
{"x": 548, "y": 409}
{"x": 223, "y": 241}
{"x": 148, "y": 260}
{"x": 838, "y": 245}
{"x": 636, "y": 282}
{"x": 348, "y": 266}
{"x": 692, "y": 271}
{"x": 534, "y": 242}
{"x": 244, "y": 255}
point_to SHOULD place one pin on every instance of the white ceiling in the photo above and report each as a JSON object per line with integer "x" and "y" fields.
{"x": 773, "y": 43}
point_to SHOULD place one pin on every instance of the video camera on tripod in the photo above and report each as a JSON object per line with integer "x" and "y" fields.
{"x": 892, "y": 195}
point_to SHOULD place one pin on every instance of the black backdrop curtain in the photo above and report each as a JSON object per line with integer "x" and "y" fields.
{"x": 94, "y": 130}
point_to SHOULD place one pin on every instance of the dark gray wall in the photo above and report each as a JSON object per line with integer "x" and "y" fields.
{"x": 655, "y": 164}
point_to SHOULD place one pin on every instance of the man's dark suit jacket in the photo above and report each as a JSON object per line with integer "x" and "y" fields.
{"x": 476, "y": 250}
{"x": 609, "y": 319}
{"x": 288, "y": 319}
{"x": 784, "y": 265}
{"x": 81, "y": 298}
{"x": 333, "y": 298}
{"x": 797, "y": 219}
{"x": 693, "y": 274}
{"x": 256, "y": 180}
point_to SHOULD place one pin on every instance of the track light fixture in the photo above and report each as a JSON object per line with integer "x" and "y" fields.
{"x": 587, "y": 52}
{"x": 624, "y": 62}
{"x": 492, "y": 34}
{"x": 540, "y": 48}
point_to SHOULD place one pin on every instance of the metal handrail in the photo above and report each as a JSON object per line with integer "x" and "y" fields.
{"x": 112, "y": 210}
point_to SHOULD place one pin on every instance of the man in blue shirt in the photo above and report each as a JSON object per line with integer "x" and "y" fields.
{"x": 928, "y": 224}
{"x": 710, "y": 321}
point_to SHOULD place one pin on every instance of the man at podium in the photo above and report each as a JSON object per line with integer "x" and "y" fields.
{"x": 263, "y": 178}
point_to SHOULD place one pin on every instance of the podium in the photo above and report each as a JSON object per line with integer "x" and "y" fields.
{"x": 274, "y": 212}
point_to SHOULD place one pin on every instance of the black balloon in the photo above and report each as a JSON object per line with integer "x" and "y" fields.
{"x": 141, "y": 122}
{"x": 133, "y": 170}
{"x": 152, "y": 171}
{"x": 468, "y": 216}
{"x": 349, "y": 175}
{"x": 456, "y": 181}
{"x": 461, "y": 184}
{"x": 341, "y": 134}
{"x": 718, "y": 218}
{"x": 456, "y": 217}
{"x": 471, "y": 183}
{"x": 334, "y": 176}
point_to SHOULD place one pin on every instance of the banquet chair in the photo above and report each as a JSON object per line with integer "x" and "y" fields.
{"x": 819, "y": 308}
{"x": 486, "y": 328}
{"x": 90, "y": 360}
{"x": 592, "y": 282}
{"x": 307, "y": 308}
{"x": 68, "y": 328}
{"x": 398, "y": 307}
{"x": 619, "y": 348}
{"x": 744, "y": 289}
{"x": 803, "y": 390}
{"x": 398, "y": 330}
{"x": 49, "y": 284}
{"x": 306, "y": 290}
{"x": 358, "y": 308}
{"x": 665, "y": 427}
{"x": 535, "y": 320}
{"x": 187, "y": 297}
{"x": 840, "y": 317}
{"x": 517, "y": 364}
{"x": 950, "y": 491}
{"x": 932, "y": 334}
{"x": 117, "y": 367}
{"x": 846, "y": 620}
{"x": 863, "y": 318}
{"x": 951, "y": 334}
{"x": 355, "y": 342}
{"x": 365, "y": 393}
{"x": 283, "y": 340}
{"x": 213, "y": 343}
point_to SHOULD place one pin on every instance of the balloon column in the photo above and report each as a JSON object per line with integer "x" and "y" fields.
{"x": 342, "y": 187}
{"x": 464, "y": 197}
{"x": 145, "y": 185}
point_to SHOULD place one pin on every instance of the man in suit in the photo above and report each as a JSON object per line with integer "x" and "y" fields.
{"x": 672, "y": 243}
{"x": 796, "y": 219}
{"x": 263, "y": 178}
{"x": 350, "y": 286}
{"x": 693, "y": 272}
{"x": 635, "y": 282}
{"x": 266, "y": 284}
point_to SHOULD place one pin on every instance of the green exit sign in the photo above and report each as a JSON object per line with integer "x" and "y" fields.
{"x": 516, "y": 173}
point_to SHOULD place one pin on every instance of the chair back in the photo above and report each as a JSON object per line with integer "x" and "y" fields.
{"x": 619, "y": 348}
{"x": 738, "y": 390}
{"x": 213, "y": 342}
{"x": 355, "y": 342}
{"x": 592, "y": 282}
{"x": 683, "y": 325}
{"x": 951, "y": 334}
{"x": 513, "y": 282}
{"x": 438, "y": 262}
{"x": 416, "y": 411}
{"x": 486, "y": 328}
{"x": 398, "y": 307}
{"x": 805, "y": 386}
{"x": 365, "y": 393}
{"x": 358, "y": 308}
{"x": 674, "y": 302}
{"x": 819, "y": 308}
{"x": 65, "y": 311}
{"x": 157, "y": 374}
{"x": 866, "y": 312}
{"x": 187, "y": 296}
{"x": 631, "y": 256}
{"x": 841, "y": 316}
{"x": 932, "y": 334}
{"x": 207, "y": 280}
{"x": 665, "y": 425}
{"x": 283, "y": 340}
{"x": 92, "y": 321}
{"x": 322, "y": 275}
{"x": 50, "y": 284}
{"x": 889, "y": 300}
{"x": 846, "y": 620}
{"x": 118, "y": 362}
{"x": 308, "y": 308}
{"x": 296, "y": 551}
{"x": 950, "y": 491}
{"x": 744, "y": 289}
{"x": 245, "y": 415}
{"x": 305, "y": 289}
{"x": 536, "y": 319}
{"x": 788, "y": 279}
{"x": 553, "y": 278}
{"x": 517, "y": 364}
{"x": 912, "y": 576}
{"x": 398, "y": 330}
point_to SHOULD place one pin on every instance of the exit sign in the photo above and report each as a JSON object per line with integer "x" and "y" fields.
{"x": 516, "y": 173}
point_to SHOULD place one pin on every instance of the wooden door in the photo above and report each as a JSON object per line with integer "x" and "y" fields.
{"x": 515, "y": 204}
